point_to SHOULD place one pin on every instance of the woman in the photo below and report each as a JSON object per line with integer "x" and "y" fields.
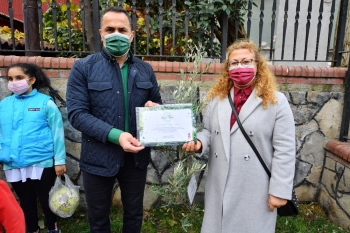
{"x": 31, "y": 142}
{"x": 239, "y": 195}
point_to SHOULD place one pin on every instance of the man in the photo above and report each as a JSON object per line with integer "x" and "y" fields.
{"x": 103, "y": 91}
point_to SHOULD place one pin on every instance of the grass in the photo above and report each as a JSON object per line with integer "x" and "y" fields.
{"x": 170, "y": 220}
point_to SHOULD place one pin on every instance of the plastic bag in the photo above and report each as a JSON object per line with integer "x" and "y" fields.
{"x": 64, "y": 197}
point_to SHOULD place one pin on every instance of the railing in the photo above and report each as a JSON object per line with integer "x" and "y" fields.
{"x": 283, "y": 29}
{"x": 344, "y": 127}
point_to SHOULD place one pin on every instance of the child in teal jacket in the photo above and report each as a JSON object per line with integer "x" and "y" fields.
{"x": 31, "y": 142}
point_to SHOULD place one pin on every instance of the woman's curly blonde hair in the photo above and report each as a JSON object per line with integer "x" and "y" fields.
{"x": 265, "y": 82}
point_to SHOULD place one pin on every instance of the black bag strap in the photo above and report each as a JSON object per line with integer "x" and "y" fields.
{"x": 247, "y": 137}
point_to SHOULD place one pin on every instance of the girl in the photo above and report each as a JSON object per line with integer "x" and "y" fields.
{"x": 31, "y": 142}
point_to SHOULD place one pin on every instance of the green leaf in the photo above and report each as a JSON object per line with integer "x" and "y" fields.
{"x": 172, "y": 223}
{"x": 64, "y": 8}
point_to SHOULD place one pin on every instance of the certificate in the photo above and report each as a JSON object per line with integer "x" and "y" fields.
{"x": 166, "y": 125}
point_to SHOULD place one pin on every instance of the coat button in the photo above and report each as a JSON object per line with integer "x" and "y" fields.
{"x": 251, "y": 133}
{"x": 216, "y": 132}
{"x": 246, "y": 157}
{"x": 216, "y": 155}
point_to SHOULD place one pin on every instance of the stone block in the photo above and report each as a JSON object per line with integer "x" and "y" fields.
{"x": 73, "y": 148}
{"x": 152, "y": 175}
{"x": 150, "y": 198}
{"x": 167, "y": 174}
{"x": 344, "y": 202}
{"x": 344, "y": 184}
{"x": 311, "y": 153}
{"x": 82, "y": 203}
{"x": 302, "y": 170}
{"x": 306, "y": 193}
{"x": 330, "y": 164}
{"x": 315, "y": 175}
{"x": 301, "y": 131}
{"x": 74, "y": 169}
{"x": 60, "y": 85}
{"x": 304, "y": 113}
{"x": 4, "y": 91}
{"x": 333, "y": 211}
{"x": 80, "y": 183}
{"x": 329, "y": 181}
{"x": 160, "y": 158}
{"x": 329, "y": 118}
{"x": 116, "y": 198}
{"x": 298, "y": 98}
{"x": 318, "y": 98}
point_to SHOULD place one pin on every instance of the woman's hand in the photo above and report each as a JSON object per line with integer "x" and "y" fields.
{"x": 275, "y": 202}
{"x": 192, "y": 146}
{"x": 60, "y": 169}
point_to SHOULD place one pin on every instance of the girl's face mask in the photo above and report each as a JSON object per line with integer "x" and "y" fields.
{"x": 117, "y": 44}
{"x": 18, "y": 87}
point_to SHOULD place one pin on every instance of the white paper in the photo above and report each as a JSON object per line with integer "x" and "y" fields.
{"x": 166, "y": 126}
{"x": 192, "y": 189}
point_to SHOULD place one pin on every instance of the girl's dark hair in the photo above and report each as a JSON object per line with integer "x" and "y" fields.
{"x": 33, "y": 71}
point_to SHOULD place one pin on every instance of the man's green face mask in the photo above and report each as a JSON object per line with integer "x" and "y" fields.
{"x": 117, "y": 44}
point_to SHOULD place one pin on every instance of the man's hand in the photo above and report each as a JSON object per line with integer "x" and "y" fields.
{"x": 192, "y": 146}
{"x": 129, "y": 143}
{"x": 150, "y": 104}
{"x": 275, "y": 202}
{"x": 60, "y": 169}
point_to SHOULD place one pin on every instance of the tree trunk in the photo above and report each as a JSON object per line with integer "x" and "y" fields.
{"x": 232, "y": 31}
{"x": 231, "y": 34}
{"x": 33, "y": 38}
{"x": 89, "y": 29}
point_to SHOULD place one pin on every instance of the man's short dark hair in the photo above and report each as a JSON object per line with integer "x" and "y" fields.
{"x": 116, "y": 9}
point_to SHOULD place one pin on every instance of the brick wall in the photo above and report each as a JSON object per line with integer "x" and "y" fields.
{"x": 59, "y": 68}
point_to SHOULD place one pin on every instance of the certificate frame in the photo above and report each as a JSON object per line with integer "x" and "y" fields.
{"x": 166, "y": 125}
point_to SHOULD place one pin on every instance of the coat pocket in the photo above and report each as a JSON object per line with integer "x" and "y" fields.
{"x": 144, "y": 85}
{"x": 142, "y": 92}
{"x": 99, "y": 94}
{"x": 5, "y": 152}
{"x": 99, "y": 86}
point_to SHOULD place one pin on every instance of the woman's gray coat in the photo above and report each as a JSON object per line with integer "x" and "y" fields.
{"x": 237, "y": 187}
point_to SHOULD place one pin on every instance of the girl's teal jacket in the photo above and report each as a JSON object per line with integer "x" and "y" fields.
{"x": 26, "y": 137}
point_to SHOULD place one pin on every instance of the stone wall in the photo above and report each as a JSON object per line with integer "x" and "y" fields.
{"x": 315, "y": 95}
{"x": 334, "y": 191}
{"x": 316, "y": 120}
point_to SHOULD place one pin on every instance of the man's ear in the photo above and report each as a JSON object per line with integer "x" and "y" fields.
{"x": 132, "y": 36}
{"x": 100, "y": 32}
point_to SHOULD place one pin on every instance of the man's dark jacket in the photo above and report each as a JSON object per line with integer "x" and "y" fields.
{"x": 95, "y": 104}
